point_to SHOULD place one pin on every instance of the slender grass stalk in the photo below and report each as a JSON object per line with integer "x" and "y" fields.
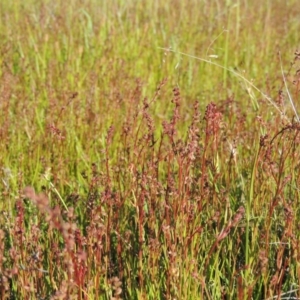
{"x": 249, "y": 206}
{"x": 288, "y": 92}
{"x": 46, "y": 176}
{"x": 234, "y": 73}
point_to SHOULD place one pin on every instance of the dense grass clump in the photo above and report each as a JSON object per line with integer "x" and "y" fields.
{"x": 149, "y": 149}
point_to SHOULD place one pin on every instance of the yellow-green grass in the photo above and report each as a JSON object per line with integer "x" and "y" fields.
{"x": 149, "y": 149}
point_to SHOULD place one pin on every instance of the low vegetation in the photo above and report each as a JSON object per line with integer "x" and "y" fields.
{"x": 149, "y": 149}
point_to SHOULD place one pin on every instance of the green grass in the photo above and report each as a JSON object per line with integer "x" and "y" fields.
{"x": 149, "y": 149}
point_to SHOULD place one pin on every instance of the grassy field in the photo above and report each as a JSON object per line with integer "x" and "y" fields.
{"x": 149, "y": 149}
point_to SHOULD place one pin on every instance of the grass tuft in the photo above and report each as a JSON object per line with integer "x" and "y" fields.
{"x": 132, "y": 170}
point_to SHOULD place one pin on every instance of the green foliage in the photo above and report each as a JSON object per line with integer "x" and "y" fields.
{"x": 149, "y": 149}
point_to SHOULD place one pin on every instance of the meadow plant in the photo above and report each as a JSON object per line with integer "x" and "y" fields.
{"x": 149, "y": 150}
